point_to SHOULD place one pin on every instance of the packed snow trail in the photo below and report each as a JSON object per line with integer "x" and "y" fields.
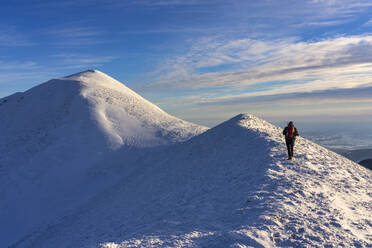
{"x": 228, "y": 187}
{"x": 56, "y": 134}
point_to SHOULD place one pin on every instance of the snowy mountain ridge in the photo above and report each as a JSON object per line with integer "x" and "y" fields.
{"x": 86, "y": 162}
{"x": 230, "y": 186}
{"x": 56, "y": 133}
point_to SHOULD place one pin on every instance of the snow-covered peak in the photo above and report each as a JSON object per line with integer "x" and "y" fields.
{"x": 55, "y": 134}
{"x": 251, "y": 122}
{"x": 94, "y": 78}
{"x": 241, "y": 129}
{"x": 122, "y": 116}
{"x": 82, "y": 73}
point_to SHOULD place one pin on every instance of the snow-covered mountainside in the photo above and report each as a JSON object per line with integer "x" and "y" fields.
{"x": 54, "y": 135}
{"x": 228, "y": 187}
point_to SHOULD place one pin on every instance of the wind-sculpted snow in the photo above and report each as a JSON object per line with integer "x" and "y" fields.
{"x": 126, "y": 117}
{"x": 55, "y": 135}
{"x": 228, "y": 187}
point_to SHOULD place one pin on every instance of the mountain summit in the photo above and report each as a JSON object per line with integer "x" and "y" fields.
{"x": 125, "y": 117}
{"x": 230, "y": 186}
{"x": 55, "y": 134}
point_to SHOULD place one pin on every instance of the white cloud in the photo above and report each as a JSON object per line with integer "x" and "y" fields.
{"x": 258, "y": 75}
{"x": 324, "y": 105}
{"x": 258, "y": 61}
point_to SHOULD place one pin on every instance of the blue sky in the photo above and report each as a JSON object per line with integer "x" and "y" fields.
{"x": 202, "y": 60}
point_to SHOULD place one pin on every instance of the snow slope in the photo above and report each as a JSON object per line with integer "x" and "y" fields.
{"x": 228, "y": 187}
{"x": 56, "y": 134}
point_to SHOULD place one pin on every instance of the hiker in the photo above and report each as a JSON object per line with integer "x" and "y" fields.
{"x": 290, "y": 133}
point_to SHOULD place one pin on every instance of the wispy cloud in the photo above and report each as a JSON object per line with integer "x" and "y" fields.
{"x": 255, "y": 61}
{"x": 73, "y": 32}
{"x": 25, "y": 72}
{"x": 299, "y": 14}
{"x": 73, "y": 35}
{"x": 325, "y": 105}
{"x": 323, "y": 23}
{"x": 359, "y": 94}
{"x": 13, "y": 40}
{"x": 30, "y": 77}
{"x": 174, "y": 2}
{"x": 76, "y": 61}
{"x": 120, "y": 3}
{"x": 236, "y": 75}
{"x": 368, "y": 23}
{"x": 16, "y": 65}
{"x": 340, "y": 8}
{"x": 344, "y": 95}
{"x": 9, "y": 37}
{"x": 178, "y": 29}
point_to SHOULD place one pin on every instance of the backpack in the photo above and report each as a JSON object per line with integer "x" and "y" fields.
{"x": 290, "y": 131}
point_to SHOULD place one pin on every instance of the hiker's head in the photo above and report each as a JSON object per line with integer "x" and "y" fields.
{"x": 290, "y": 123}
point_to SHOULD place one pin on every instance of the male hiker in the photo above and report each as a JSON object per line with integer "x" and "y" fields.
{"x": 290, "y": 133}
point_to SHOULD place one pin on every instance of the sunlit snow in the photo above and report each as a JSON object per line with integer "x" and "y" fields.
{"x": 115, "y": 171}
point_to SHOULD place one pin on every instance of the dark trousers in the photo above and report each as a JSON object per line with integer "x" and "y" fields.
{"x": 290, "y": 144}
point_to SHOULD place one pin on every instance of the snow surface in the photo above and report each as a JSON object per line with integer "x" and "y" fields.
{"x": 231, "y": 186}
{"x": 56, "y": 134}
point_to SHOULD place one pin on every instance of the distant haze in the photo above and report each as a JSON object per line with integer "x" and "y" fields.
{"x": 336, "y": 135}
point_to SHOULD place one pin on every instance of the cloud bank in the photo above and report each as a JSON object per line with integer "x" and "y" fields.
{"x": 224, "y": 75}
{"x": 247, "y": 61}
